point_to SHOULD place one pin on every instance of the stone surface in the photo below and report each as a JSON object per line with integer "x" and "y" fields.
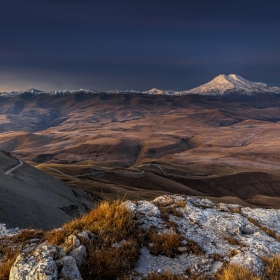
{"x": 250, "y": 261}
{"x": 212, "y": 227}
{"x": 70, "y": 270}
{"x": 38, "y": 265}
{"x": 79, "y": 254}
{"x": 83, "y": 236}
{"x": 8, "y": 232}
{"x": 70, "y": 243}
{"x": 265, "y": 217}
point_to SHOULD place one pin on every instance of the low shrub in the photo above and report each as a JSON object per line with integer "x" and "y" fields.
{"x": 8, "y": 261}
{"x": 272, "y": 268}
{"x": 235, "y": 272}
{"x": 165, "y": 244}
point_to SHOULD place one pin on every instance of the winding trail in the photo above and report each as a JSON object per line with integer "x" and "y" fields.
{"x": 81, "y": 175}
{"x": 8, "y": 172}
{"x": 159, "y": 167}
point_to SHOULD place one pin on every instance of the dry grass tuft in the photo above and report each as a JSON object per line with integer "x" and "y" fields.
{"x": 237, "y": 209}
{"x": 165, "y": 244}
{"x": 111, "y": 223}
{"x": 25, "y": 235}
{"x": 110, "y": 262}
{"x": 232, "y": 241}
{"x": 272, "y": 268}
{"x": 181, "y": 203}
{"x": 164, "y": 276}
{"x": 167, "y": 209}
{"x": 193, "y": 247}
{"x": 235, "y": 272}
{"x": 196, "y": 276}
{"x": 164, "y": 204}
{"x": 110, "y": 220}
{"x": 216, "y": 257}
{"x": 56, "y": 236}
{"x": 9, "y": 259}
{"x": 232, "y": 253}
{"x": 268, "y": 231}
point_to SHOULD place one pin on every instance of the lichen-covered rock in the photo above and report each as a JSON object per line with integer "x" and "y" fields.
{"x": 8, "y": 232}
{"x": 70, "y": 243}
{"x": 148, "y": 263}
{"x": 70, "y": 270}
{"x": 147, "y": 212}
{"x": 38, "y": 265}
{"x": 250, "y": 261}
{"x": 217, "y": 229}
{"x": 83, "y": 236}
{"x": 265, "y": 217}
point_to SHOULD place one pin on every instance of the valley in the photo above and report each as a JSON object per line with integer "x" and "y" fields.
{"x": 140, "y": 146}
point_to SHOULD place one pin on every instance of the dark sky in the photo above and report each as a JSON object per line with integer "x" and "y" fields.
{"x": 106, "y": 45}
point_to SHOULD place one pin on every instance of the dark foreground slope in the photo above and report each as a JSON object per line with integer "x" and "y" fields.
{"x": 31, "y": 198}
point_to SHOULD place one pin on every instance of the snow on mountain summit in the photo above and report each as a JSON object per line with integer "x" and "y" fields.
{"x": 232, "y": 83}
{"x": 159, "y": 91}
{"x": 221, "y": 85}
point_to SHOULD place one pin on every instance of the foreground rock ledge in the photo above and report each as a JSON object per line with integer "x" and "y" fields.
{"x": 226, "y": 233}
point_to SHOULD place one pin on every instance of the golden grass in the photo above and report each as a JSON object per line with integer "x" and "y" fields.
{"x": 25, "y": 235}
{"x": 111, "y": 223}
{"x": 8, "y": 261}
{"x": 232, "y": 253}
{"x": 170, "y": 210}
{"x": 165, "y": 244}
{"x": 110, "y": 263}
{"x": 181, "y": 203}
{"x": 109, "y": 220}
{"x": 232, "y": 241}
{"x": 268, "y": 231}
{"x": 237, "y": 209}
{"x": 193, "y": 247}
{"x": 216, "y": 257}
{"x": 272, "y": 268}
{"x": 166, "y": 209}
{"x": 235, "y": 272}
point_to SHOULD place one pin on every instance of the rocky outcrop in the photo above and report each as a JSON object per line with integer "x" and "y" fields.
{"x": 7, "y": 232}
{"x": 209, "y": 236}
{"x": 224, "y": 232}
{"x": 49, "y": 262}
{"x": 39, "y": 264}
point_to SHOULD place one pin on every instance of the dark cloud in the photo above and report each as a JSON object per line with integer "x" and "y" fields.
{"x": 136, "y": 44}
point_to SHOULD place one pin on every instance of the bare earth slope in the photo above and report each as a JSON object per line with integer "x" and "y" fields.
{"x": 143, "y": 146}
{"x": 31, "y": 198}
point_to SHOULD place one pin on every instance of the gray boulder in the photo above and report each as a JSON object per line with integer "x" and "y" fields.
{"x": 70, "y": 270}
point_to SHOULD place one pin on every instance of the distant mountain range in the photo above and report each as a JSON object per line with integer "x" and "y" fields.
{"x": 221, "y": 85}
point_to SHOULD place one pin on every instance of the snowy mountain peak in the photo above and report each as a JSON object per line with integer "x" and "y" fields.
{"x": 232, "y": 83}
{"x": 159, "y": 91}
{"x": 220, "y": 85}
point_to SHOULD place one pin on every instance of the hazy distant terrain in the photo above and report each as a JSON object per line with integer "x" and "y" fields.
{"x": 146, "y": 145}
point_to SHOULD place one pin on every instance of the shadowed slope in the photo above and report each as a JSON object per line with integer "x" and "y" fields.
{"x": 31, "y": 198}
